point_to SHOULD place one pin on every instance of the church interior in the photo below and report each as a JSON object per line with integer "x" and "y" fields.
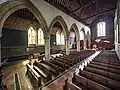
{"x": 59, "y": 45}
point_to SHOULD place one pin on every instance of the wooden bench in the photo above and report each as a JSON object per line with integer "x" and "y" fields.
{"x": 107, "y": 62}
{"x": 105, "y": 68}
{"x": 72, "y": 59}
{"x": 41, "y": 66}
{"x": 63, "y": 65}
{"x": 55, "y": 69}
{"x": 63, "y": 61}
{"x": 33, "y": 75}
{"x": 101, "y": 79}
{"x": 42, "y": 71}
{"x": 103, "y": 73}
{"x": 106, "y": 65}
{"x": 89, "y": 83}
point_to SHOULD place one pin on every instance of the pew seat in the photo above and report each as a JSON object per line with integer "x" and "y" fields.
{"x": 34, "y": 76}
{"x": 89, "y": 83}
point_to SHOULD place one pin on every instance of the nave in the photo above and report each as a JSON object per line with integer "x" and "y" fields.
{"x": 59, "y": 45}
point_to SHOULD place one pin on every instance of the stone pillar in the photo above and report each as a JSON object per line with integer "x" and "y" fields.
{"x": 0, "y": 45}
{"x": 47, "y": 48}
{"x": 89, "y": 44}
{"x": 67, "y": 48}
{"x": 0, "y": 51}
{"x": 85, "y": 45}
{"x": 78, "y": 45}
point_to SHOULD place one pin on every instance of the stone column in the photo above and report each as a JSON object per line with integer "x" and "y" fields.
{"x": 0, "y": 45}
{"x": 89, "y": 44}
{"x": 85, "y": 45}
{"x": 78, "y": 45}
{"x": 47, "y": 48}
{"x": 67, "y": 47}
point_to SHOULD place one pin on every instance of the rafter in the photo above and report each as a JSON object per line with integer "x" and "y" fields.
{"x": 98, "y": 14}
{"x": 83, "y": 6}
{"x": 107, "y": 19}
{"x": 64, "y": 9}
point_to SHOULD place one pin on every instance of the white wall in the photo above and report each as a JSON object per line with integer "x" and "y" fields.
{"x": 49, "y": 13}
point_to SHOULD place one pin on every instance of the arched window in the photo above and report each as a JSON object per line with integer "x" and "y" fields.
{"x": 31, "y": 36}
{"x": 101, "y": 29}
{"x": 40, "y": 37}
{"x": 58, "y": 38}
{"x": 62, "y": 39}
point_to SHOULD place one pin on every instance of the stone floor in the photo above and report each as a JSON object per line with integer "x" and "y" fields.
{"x": 20, "y": 68}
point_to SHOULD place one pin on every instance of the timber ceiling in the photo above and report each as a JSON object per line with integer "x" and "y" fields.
{"x": 86, "y": 11}
{"x": 24, "y": 14}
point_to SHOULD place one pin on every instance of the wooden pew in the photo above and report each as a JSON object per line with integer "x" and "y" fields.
{"x": 105, "y": 68}
{"x": 103, "y": 73}
{"x": 33, "y": 75}
{"x": 107, "y": 62}
{"x": 43, "y": 71}
{"x": 106, "y": 65}
{"x": 41, "y": 66}
{"x": 89, "y": 83}
{"x": 63, "y": 61}
{"x": 55, "y": 69}
{"x": 73, "y": 60}
{"x": 63, "y": 65}
{"x": 101, "y": 79}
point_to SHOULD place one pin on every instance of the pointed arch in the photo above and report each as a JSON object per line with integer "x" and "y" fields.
{"x": 14, "y": 5}
{"x": 63, "y": 24}
{"x": 76, "y": 30}
{"x": 83, "y": 30}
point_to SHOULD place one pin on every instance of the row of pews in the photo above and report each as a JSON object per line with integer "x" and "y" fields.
{"x": 43, "y": 71}
{"x": 103, "y": 73}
